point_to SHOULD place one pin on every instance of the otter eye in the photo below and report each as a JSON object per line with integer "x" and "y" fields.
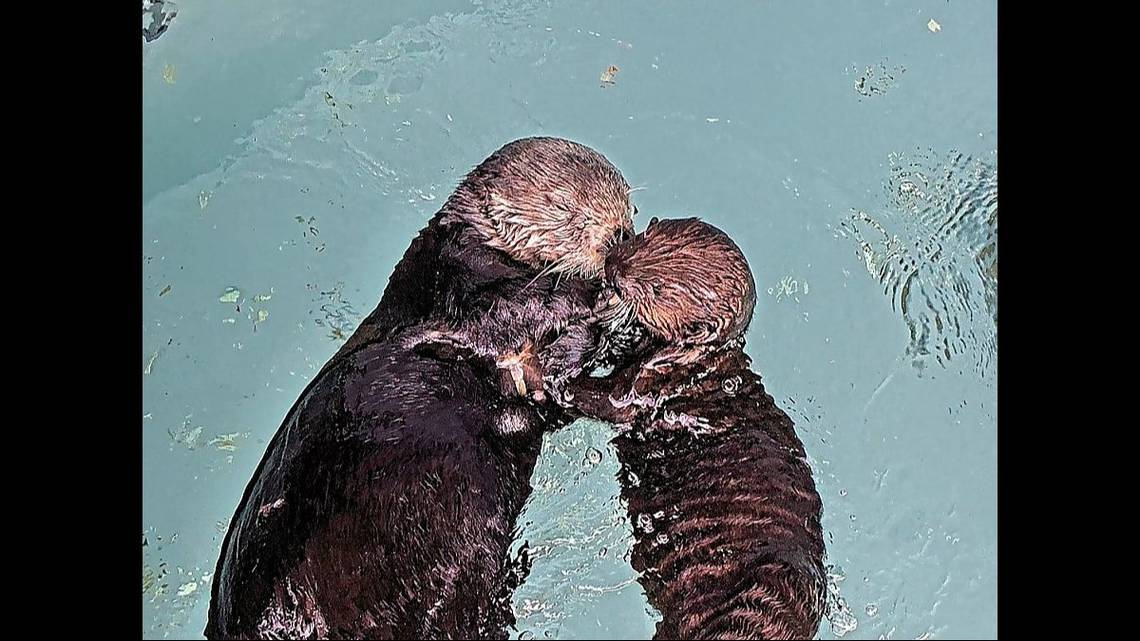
{"x": 635, "y": 210}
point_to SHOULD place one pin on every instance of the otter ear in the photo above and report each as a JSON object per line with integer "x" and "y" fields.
{"x": 653, "y": 221}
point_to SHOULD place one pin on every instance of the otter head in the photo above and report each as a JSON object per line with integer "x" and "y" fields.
{"x": 684, "y": 280}
{"x": 550, "y": 203}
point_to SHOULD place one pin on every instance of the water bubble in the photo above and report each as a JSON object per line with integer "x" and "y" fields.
{"x": 662, "y": 538}
{"x": 526, "y": 634}
{"x": 645, "y": 523}
{"x": 593, "y": 456}
{"x": 872, "y": 609}
{"x": 731, "y": 384}
{"x": 843, "y": 492}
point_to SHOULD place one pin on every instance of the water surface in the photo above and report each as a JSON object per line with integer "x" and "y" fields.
{"x": 292, "y": 149}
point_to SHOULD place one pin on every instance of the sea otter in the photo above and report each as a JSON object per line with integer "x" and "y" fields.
{"x": 385, "y": 503}
{"x": 726, "y": 514}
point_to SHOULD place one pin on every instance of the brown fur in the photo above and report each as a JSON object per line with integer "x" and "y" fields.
{"x": 528, "y": 208}
{"x": 727, "y": 517}
{"x": 386, "y": 502}
{"x": 684, "y": 280}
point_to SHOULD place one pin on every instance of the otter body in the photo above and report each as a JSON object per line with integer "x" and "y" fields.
{"x": 385, "y": 503}
{"x": 383, "y": 509}
{"x": 726, "y": 514}
{"x": 725, "y": 511}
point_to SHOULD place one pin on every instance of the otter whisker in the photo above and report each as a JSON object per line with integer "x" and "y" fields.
{"x": 553, "y": 267}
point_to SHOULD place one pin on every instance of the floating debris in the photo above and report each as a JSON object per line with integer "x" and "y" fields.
{"x": 165, "y": 291}
{"x": 338, "y": 314}
{"x": 150, "y": 363}
{"x": 933, "y": 26}
{"x": 609, "y": 74}
{"x": 875, "y": 80}
{"x": 227, "y": 442}
{"x": 168, "y": 74}
{"x": 185, "y": 435}
{"x": 262, "y": 315}
{"x": 231, "y": 296}
{"x": 310, "y": 232}
{"x": 203, "y": 199}
{"x": 187, "y": 589}
{"x": 788, "y": 287}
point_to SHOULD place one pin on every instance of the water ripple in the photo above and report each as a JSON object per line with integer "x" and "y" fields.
{"x": 933, "y": 247}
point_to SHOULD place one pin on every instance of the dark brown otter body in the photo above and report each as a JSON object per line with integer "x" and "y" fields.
{"x": 385, "y": 503}
{"x": 726, "y": 514}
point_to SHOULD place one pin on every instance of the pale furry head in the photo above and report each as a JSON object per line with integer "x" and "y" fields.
{"x": 684, "y": 280}
{"x": 550, "y": 203}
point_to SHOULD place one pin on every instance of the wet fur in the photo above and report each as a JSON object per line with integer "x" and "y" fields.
{"x": 386, "y": 501}
{"x": 744, "y": 553}
{"x": 714, "y": 300}
{"x": 726, "y": 514}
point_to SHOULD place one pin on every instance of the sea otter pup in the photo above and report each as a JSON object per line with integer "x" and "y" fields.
{"x": 725, "y": 511}
{"x": 385, "y": 503}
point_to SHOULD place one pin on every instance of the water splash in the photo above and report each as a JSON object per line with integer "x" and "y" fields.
{"x": 580, "y": 535}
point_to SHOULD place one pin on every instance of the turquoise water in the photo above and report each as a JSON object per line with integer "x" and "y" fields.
{"x": 292, "y": 149}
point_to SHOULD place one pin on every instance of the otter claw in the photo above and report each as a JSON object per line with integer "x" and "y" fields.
{"x": 513, "y": 364}
{"x": 517, "y": 376}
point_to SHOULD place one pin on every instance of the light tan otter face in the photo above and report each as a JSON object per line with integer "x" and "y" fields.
{"x": 684, "y": 280}
{"x": 553, "y": 204}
